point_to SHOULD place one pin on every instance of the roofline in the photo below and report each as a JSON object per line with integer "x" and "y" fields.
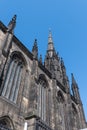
{"x": 17, "y": 42}
{"x": 26, "y": 51}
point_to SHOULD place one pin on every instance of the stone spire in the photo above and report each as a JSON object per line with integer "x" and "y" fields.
{"x": 50, "y": 49}
{"x": 73, "y": 80}
{"x": 8, "y": 37}
{"x": 50, "y": 52}
{"x": 50, "y": 40}
{"x": 12, "y": 24}
{"x": 35, "y": 49}
{"x": 75, "y": 89}
{"x": 52, "y": 60}
{"x": 35, "y": 59}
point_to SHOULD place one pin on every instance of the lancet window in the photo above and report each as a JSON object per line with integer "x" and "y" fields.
{"x": 60, "y": 111}
{"x": 13, "y": 78}
{"x": 42, "y": 98}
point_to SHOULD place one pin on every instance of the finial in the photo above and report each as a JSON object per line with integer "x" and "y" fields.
{"x": 12, "y": 24}
{"x": 50, "y": 36}
{"x": 35, "y": 40}
{"x": 62, "y": 62}
{"x": 35, "y": 43}
{"x": 35, "y": 49}
{"x": 40, "y": 59}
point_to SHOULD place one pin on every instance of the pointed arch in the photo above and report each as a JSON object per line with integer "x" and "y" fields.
{"x": 43, "y": 98}
{"x": 6, "y": 123}
{"x": 42, "y": 78}
{"x": 19, "y": 55}
{"x": 13, "y": 76}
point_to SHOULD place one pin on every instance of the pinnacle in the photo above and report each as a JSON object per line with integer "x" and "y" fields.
{"x": 73, "y": 79}
{"x": 50, "y": 40}
{"x": 12, "y": 24}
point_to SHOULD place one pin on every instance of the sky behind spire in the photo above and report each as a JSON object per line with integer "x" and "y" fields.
{"x": 68, "y": 22}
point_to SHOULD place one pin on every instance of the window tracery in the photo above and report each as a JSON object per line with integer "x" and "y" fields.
{"x": 6, "y": 123}
{"x": 42, "y": 104}
{"x": 13, "y": 78}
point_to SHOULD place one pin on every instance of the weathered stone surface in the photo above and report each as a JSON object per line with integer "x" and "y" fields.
{"x": 44, "y": 99}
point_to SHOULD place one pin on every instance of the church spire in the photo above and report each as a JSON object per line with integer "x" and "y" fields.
{"x": 75, "y": 89}
{"x": 50, "y": 49}
{"x": 52, "y": 60}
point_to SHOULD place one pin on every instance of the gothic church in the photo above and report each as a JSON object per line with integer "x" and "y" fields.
{"x": 33, "y": 92}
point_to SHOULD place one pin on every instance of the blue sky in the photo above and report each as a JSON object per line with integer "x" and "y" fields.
{"x": 68, "y": 22}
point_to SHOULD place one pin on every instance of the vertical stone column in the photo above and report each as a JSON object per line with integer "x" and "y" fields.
{"x": 32, "y": 112}
{"x": 44, "y": 105}
{"x": 53, "y": 104}
{"x": 7, "y": 44}
{"x": 68, "y": 117}
{"x": 82, "y": 119}
{"x": 39, "y": 100}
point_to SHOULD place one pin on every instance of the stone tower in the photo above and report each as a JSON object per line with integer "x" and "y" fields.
{"x": 32, "y": 93}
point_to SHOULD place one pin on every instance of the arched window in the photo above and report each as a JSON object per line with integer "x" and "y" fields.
{"x": 6, "y": 123}
{"x": 13, "y": 78}
{"x": 60, "y": 121}
{"x": 42, "y": 97}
